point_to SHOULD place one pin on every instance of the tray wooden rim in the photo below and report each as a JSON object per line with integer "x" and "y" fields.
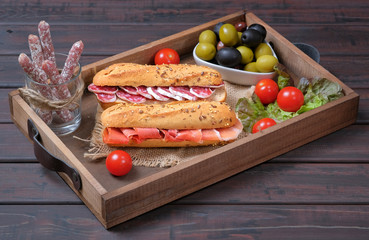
{"x": 104, "y": 204}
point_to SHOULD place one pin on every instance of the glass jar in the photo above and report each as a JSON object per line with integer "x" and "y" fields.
{"x": 58, "y": 104}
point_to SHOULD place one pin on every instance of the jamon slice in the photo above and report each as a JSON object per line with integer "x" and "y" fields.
{"x": 170, "y": 135}
{"x": 210, "y": 134}
{"x": 193, "y": 135}
{"x": 131, "y": 134}
{"x": 145, "y": 133}
{"x": 114, "y": 136}
{"x": 230, "y": 133}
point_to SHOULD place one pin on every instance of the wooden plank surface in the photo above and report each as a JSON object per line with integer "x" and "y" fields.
{"x": 318, "y": 191}
{"x": 282, "y": 183}
{"x": 292, "y": 222}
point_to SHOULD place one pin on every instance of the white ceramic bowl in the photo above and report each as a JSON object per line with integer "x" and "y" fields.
{"x": 236, "y": 76}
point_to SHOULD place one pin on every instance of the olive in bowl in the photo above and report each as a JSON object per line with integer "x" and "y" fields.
{"x": 234, "y": 75}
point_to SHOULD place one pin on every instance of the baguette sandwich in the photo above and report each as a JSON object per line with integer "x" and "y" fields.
{"x": 175, "y": 124}
{"x": 149, "y": 84}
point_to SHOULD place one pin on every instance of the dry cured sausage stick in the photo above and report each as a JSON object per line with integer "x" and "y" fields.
{"x": 36, "y": 50}
{"x": 51, "y": 70}
{"x": 62, "y": 91}
{"x": 31, "y": 71}
{"x": 38, "y": 75}
{"x": 45, "y": 115}
{"x": 49, "y": 54}
{"x": 72, "y": 61}
{"x": 46, "y": 42}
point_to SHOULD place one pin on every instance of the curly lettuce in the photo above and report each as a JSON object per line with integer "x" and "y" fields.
{"x": 317, "y": 92}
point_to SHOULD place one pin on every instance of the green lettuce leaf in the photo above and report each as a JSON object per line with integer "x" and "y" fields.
{"x": 317, "y": 92}
{"x": 249, "y": 111}
{"x": 284, "y": 79}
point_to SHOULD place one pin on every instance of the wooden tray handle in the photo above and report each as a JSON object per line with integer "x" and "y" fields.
{"x": 48, "y": 160}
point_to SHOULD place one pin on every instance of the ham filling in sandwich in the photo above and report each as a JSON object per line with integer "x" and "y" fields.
{"x": 176, "y": 124}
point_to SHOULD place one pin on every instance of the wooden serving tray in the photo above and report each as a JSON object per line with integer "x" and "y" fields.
{"x": 114, "y": 200}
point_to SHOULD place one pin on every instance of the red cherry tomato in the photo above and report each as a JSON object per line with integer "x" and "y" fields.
{"x": 166, "y": 56}
{"x": 267, "y": 90}
{"x": 263, "y": 124}
{"x": 290, "y": 99}
{"x": 118, "y": 162}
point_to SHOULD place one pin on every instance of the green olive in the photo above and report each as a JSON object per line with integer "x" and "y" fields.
{"x": 246, "y": 53}
{"x": 266, "y": 63}
{"x": 228, "y": 35}
{"x": 262, "y": 49}
{"x": 251, "y": 67}
{"x": 208, "y": 36}
{"x": 205, "y": 51}
{"x": 239, "y": 38}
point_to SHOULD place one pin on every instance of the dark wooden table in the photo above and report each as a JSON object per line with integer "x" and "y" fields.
{"x": 318, "y": 191}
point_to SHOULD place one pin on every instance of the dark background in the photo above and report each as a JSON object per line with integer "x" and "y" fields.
{"x": 318, "y": 191}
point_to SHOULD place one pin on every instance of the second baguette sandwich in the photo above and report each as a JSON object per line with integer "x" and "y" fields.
{"x": 148, "y": 84}
{"x": 175, "y": 124}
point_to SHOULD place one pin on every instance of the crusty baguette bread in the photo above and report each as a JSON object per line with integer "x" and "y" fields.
{"x": 175, "y": 115}
{"x": 132, "y": 74}
{"x": 219, "y": 95}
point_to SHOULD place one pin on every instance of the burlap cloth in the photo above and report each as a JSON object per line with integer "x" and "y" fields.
{"x": 161, "y": 157}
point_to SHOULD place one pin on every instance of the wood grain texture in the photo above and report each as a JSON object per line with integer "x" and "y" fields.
{"x": 331, "y": 148}
{"x": 281, "y": 183}
{"x": 317, "y": 191}
{"x": 12, "y": 76}
{"x": 183, "y": 12}
{"x": 292, "y": 222}
{"x": 352, "y": 38}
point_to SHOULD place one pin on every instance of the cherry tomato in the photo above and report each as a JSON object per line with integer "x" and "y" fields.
{"x": 167, "y": 56}
{"x": 118, "y": 162}
{"x": 263, "y": 124}
{"x": 267, "y": 90}
{"x": 290, "y": 99}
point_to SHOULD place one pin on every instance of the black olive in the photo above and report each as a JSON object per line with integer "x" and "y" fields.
{"x": 259, "y": 28}
{"x": 217, "y": 28}
{"x": 251, "y": 38}
{"x": 228, "y": 57}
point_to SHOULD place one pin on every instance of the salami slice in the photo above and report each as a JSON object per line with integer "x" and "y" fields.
{"x": 142, "y": 90}
{"x": 201, "y": 92}
{"x": 183, "y": 92}
{"x": 102, "y": 89}
{"x": 106, "y": 98}
{"x": 129, "y": 97}
{"x": 154, "y": 92}
{"x": 130, "y": 90}
{"x": 165, "y": 91}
